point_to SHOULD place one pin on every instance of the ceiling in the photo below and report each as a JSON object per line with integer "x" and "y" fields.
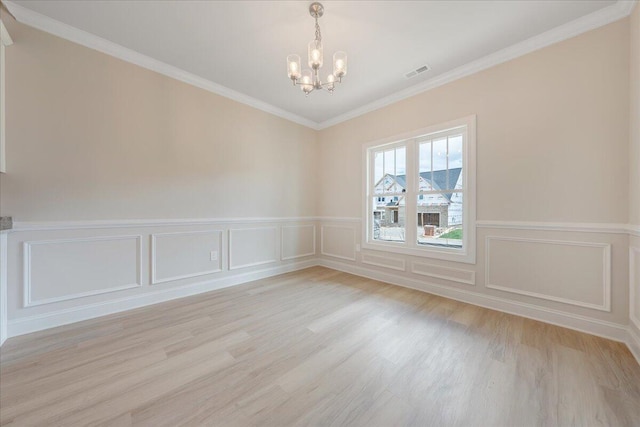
{"x": 242, "y": 45}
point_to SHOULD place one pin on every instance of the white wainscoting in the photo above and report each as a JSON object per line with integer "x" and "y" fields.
{"x": 460, "y": 275}
{"x": 249, "y": 247}
{"x": 60, "y": 273}
{"x": 385, "y": 261}
{"x": 338, "y": 241}
{"x": 63, "y": 269}
{"x": 297, "y": 241}
{"x": 184, "y": 254}
{"x": 634, "y": 286}
{"x": 576, "y": 273}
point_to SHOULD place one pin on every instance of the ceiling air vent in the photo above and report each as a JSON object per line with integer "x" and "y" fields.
{"x": 417, "y": 71}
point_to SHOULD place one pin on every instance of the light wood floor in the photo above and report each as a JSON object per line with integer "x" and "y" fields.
{"x": 316, "y": 347}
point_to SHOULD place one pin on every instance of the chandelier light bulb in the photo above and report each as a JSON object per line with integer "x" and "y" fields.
{"x": 306, "y": 82}
{"x": 340, "y": 64}
{"x": 293, "y": 67}
{"x": 315, "y": 54}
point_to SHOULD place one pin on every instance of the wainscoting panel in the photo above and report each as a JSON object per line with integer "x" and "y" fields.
{"x": 384, "y": 261}
{"x": 338, "y": 241}
{"x": 634, "y": 285}
{"x": 576, "y": 273}
{"x": 63, "y": 269}
{"x": 297, "y": 241}
{"x": 249, "y": 247}
{"x": 460, "y": 275}
{"x": 185, "y": 254}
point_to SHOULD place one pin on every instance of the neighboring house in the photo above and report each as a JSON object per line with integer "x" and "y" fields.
{"x": 440, "y": 210}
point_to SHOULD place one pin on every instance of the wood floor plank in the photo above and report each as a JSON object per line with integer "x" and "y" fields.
{"x": 316, "y": 347}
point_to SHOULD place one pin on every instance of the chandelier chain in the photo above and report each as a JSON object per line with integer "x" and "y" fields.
{"x": 318, "y": 34}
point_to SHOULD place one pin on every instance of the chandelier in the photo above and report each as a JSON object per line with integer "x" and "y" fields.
{"x": 309, "y": 80}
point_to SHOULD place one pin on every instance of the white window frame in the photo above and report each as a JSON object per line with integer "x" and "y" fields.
{"x": 5, "y": 40}
{"x": 467, "y": 254}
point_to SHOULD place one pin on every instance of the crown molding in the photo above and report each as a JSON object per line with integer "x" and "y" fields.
{"x": 65, "y": 31}
{"x": 604, "y": 16}
{"x": 594, "y": 20}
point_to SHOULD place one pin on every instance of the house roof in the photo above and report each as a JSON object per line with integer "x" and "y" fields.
{"x": 439, "y": 179}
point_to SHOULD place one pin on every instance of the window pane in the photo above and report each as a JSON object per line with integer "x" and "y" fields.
{"x": 388, "y": 219}
{"x": 455, "y": 162}
{"x": 378, "y": 167}
{"x": 439, "y": 220}
{"x": 390, "y": 162}
{"x": 440, "y": 154}
{"x": 424, "y": 177}
{"x": 401, "y": 161}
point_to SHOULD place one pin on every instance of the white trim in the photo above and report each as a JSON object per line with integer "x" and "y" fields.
{"x": 585, "y": 227}
{"x": 251, "y": 264}
{"x": 3, "y": 288}
{"x": 472, "y": 274}
{"x": 283, "y": 258}
{"x": 23, "y": 226}
{"x": 65, "y": 31}
{"x": 606, "y": 276}
{"x": 634, "y": 258}
{"x": 633, "y": 342}
{"x": 566, "y": 31}
{"x": 156, "y": 281}
{"x": 25, "y": 325}
{"x": 577, "y": 322}
{"x": 378, "y": 261}
{"x": 26, "y": 285}
{"x": 586, "y": 23}
{"x": 322, "y": 251}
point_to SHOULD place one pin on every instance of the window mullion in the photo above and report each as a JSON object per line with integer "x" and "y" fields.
{"x": 411, "y": 210}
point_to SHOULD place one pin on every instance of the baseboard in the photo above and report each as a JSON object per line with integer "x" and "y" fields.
{"x": 576, "y": 322}
{"x": 633, "y": 342}
{"x": 30, "y": 324}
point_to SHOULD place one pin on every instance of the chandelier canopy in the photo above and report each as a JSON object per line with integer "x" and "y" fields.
{"x": 309, "y": 79}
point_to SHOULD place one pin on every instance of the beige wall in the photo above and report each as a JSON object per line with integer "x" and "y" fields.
{"x": 92, "y": 137}
{"x": 634, "y": 154}
{"x": 552, "y": 134}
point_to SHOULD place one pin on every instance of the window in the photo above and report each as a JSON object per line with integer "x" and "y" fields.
{"x": 427, "y": 178}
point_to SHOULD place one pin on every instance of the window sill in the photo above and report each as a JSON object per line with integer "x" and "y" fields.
{"x": 456, "y": 255}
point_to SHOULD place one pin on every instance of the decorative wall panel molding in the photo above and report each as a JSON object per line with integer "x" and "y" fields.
{"x": 297, "y": 241}
{"x": 447, "y": 273}
{"x": 384, "y": 261}
{"x": 65, "y": 269}
{"x": 575, "y": 273}
{"x": 249, "y": 247}
{"x": 338, "y": 241}
{"x": 185, "y": 254}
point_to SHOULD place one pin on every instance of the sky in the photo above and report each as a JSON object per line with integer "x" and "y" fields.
{"x": 394, "y": 161}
